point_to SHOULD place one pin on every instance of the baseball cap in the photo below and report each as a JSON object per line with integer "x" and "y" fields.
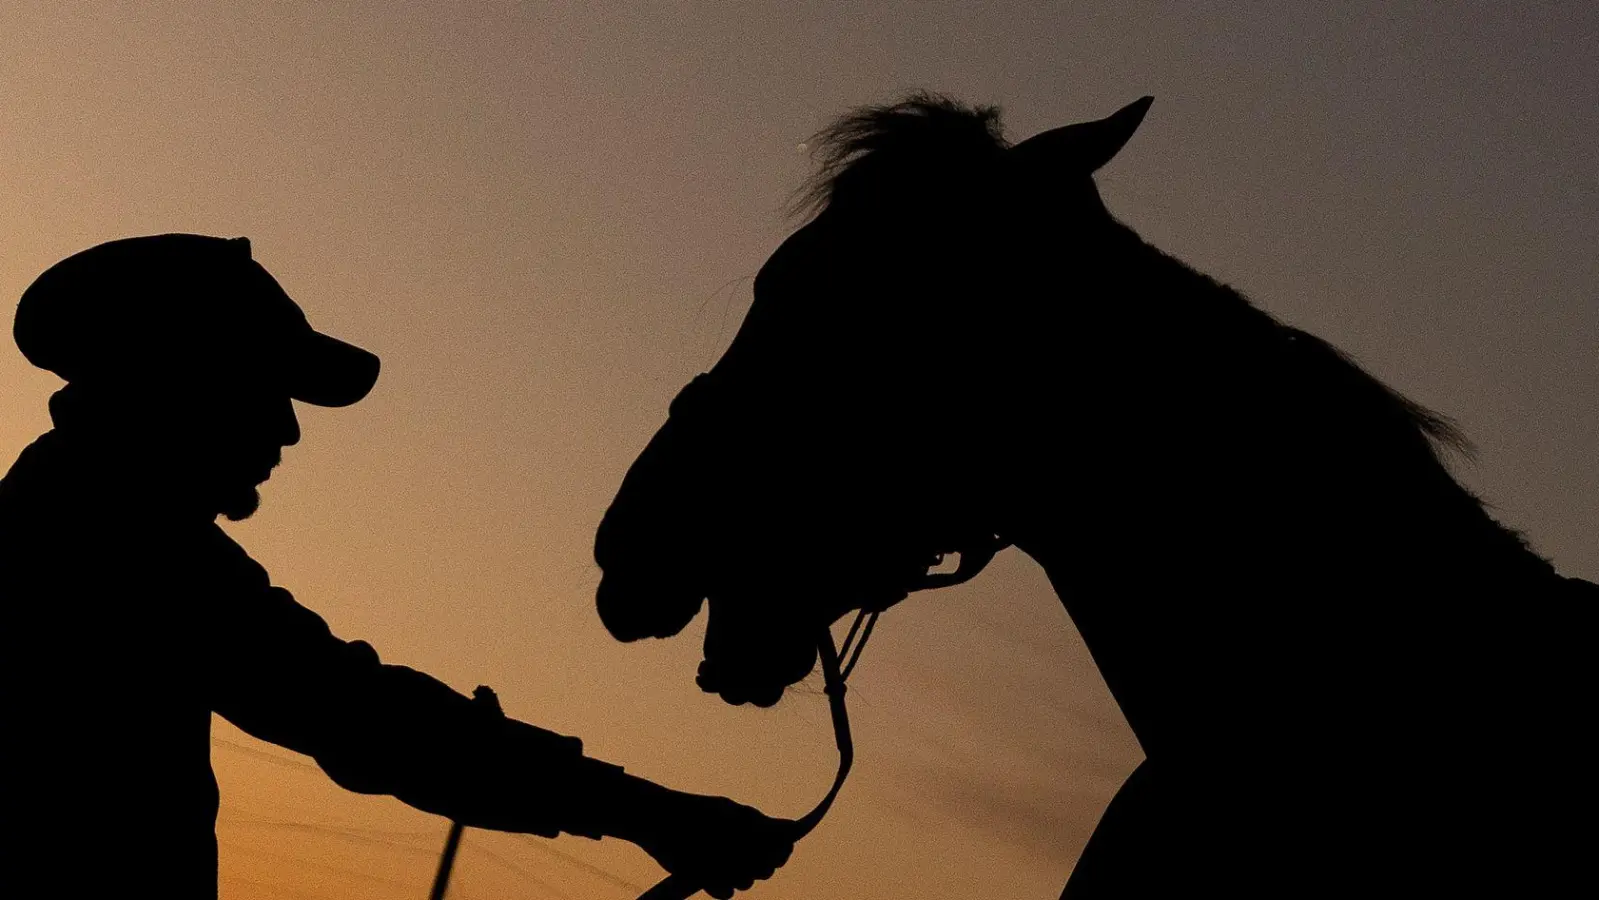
{"x": 182, "y": 306}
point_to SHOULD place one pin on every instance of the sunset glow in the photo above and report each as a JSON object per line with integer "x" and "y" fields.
{"x": 545, "y": 218}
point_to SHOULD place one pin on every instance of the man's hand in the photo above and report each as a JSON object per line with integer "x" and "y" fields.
{"x": 714, "y": 843}
{"x": 711, "y": 843}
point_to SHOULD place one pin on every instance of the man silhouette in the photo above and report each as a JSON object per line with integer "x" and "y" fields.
{"x": 131, "y": 617}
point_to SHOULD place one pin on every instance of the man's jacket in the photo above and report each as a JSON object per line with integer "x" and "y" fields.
{"x": 127, "y": 625}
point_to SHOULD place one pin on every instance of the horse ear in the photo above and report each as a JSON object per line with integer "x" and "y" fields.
{"x": 1086, "y": 146}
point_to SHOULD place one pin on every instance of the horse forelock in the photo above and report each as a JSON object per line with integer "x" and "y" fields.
{"x": 924, "y": 136}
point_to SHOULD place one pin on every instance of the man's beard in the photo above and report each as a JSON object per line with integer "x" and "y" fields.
{"x": 242, "y": 497}
{"x": 240, "y": 504}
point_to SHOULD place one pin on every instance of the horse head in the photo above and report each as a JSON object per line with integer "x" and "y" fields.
{"x": 858, "y": 427}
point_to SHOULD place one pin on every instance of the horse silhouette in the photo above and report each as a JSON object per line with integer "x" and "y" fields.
{"x": 1345, "y": 675}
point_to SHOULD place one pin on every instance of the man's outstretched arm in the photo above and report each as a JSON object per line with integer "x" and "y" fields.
{"x": 278, "y": 672}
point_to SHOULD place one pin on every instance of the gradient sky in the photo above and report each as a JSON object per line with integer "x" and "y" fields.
{"x": 545, "y": 218}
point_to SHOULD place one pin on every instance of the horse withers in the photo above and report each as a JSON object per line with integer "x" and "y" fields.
{"x": 1344, "y": 674}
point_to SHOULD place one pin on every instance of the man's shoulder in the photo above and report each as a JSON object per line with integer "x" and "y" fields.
{"x": 56, "y": 499}
{"x": 62, "y": 477}
{"x": 40, "y": 500}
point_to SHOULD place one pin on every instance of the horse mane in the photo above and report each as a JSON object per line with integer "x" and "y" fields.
{"x": 924, "y": 138}
{"x": 1333, "y": 366}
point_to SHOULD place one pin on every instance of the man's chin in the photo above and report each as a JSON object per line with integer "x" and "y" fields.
{"x": 242, "y": 505}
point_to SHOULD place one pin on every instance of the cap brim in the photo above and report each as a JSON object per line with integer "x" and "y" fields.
{"x": 330, "y": 372}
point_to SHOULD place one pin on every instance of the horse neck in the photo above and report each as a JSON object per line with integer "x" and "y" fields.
{"x": 1203, "y": 521}
{"x": 1175, "y": 379}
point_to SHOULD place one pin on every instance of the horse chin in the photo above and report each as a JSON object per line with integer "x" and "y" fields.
{"x": 759, "y": 685}
{"x": 738, "y": 691}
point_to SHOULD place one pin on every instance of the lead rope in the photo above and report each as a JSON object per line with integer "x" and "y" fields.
{"x": 673, "y": 887}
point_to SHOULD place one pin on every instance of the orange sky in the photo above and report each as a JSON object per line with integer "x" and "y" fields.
{"x": 545, "y": 216}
